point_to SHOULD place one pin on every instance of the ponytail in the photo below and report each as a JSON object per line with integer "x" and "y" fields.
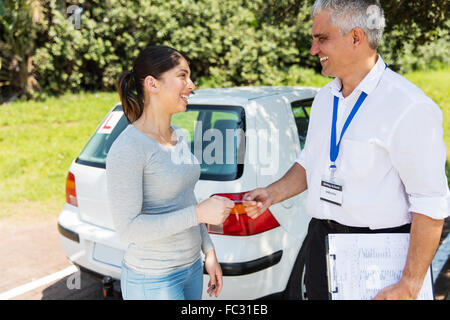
{"x": 132, "y": 104}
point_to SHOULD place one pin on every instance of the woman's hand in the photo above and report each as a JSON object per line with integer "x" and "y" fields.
{"x": 214, "y": 271}
{"x": 214, "y": 210}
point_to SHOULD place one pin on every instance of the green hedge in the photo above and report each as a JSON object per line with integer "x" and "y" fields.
{"x": 224, "y": 41}
{"x": 232, "y": 42}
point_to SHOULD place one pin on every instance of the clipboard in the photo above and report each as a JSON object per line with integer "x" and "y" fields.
{"x": 360, "y": 265}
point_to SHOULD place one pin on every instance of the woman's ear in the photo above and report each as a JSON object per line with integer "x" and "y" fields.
{"x": 151, "y": 84}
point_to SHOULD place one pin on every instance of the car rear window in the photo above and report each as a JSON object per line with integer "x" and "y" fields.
{"x": 95, "y": 152}
{"x": 301, "y": 110}
{"x": 215, "y": 135}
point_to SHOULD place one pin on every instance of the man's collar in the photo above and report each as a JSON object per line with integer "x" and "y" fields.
{"x": 368, "y": 84}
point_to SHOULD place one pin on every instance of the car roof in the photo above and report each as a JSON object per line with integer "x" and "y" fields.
{"x": 242, "y": 95}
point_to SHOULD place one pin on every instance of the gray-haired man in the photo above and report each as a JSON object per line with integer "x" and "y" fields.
{"x": 375, "y": 141}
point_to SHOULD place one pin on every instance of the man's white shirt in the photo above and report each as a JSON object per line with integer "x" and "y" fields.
{"x": 391, "y": 158}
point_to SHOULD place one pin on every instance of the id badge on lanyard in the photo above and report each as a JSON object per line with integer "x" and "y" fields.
{"x": 331, "y": 189}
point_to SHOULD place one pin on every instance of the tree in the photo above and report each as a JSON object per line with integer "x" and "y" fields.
{"x": 19, "y": 27}
{"x": 424, "y": 16}
{"x": 233, "y": 42}
{"x": 408, "y": 23}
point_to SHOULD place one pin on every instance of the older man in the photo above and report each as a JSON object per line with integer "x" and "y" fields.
{"x": 374, "y": 158}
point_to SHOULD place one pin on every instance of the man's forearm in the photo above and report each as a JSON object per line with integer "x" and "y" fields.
{"x": 291, "y": 184}
{"x": 424, "y": 240}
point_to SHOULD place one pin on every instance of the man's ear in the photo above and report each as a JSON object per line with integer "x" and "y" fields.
{"x": 358, "y": 36}
{"x": 151, "y": 84}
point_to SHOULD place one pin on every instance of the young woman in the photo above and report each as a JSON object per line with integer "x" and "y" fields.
{"x": 151, "y": 196}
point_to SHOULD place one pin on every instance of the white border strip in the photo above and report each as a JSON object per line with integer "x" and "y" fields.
{"x": 441, "y": 257}
{"x": 38, "y": 283}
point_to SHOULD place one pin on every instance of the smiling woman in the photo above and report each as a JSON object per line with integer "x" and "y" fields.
{"x": 152, "y": 61}
{"x": 151, "y": 197}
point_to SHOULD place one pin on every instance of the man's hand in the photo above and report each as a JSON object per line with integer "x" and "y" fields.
{"x": 291, "y": 184}
{"x": 400, "y": 291}
{"x": 258, "y": 201}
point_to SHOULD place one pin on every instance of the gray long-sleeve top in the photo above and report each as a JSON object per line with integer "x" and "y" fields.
{"x": 150, "y": 191}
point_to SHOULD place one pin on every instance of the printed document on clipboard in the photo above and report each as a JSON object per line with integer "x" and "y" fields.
{"x": 360, "y": 265}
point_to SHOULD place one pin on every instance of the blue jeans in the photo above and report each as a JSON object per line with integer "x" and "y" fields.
{"x": 184, "y": 284}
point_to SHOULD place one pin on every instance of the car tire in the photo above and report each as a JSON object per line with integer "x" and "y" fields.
{"x": 295, "y": 289}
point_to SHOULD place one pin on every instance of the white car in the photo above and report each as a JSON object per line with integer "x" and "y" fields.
{"x": 260, "y": 258}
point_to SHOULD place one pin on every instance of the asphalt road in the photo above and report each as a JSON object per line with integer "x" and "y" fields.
{"x": 31, "y": 253}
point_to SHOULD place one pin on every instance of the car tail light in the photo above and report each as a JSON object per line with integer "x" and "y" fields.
{"x": 71, "y": 193}
{"x": 239, "y": 224}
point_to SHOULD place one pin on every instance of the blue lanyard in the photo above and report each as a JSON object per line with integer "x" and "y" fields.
{"x": 334, "y": 147}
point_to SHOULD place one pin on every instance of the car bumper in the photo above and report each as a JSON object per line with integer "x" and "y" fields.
{"x": 244, "y": 268}
{"x": 98, "y": 251}
{"x": 260, "y": 265}
{"x": 89, "y": 246}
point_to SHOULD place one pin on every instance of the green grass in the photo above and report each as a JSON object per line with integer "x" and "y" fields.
{"x": 39, "y": 140}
